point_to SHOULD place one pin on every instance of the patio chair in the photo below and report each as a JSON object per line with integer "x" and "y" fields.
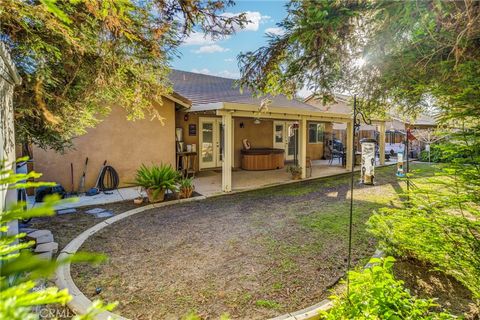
{"x": 335, "y": 154}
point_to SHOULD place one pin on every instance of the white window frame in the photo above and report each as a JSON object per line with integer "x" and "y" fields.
{"x": 316, "y": 135}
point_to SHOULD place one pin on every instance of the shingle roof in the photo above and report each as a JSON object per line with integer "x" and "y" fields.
{"x": 206, "y": 89}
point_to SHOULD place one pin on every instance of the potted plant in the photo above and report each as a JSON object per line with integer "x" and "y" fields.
{"x": 156, "y": 180}
{"x": 186, "y": 187}
{"x": 296, "y": 171}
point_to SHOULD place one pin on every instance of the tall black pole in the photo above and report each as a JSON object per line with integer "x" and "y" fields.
{"x": 407, "y": 166}
{"x": 352, "y": 178}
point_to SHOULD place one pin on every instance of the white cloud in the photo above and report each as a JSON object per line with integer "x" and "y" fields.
{"x": 198, "y": 39}
{"x": 229, "y": 60}
{"x": 277, "y": 31}
{"x": 211, "y": 49}
{"x": 204, "y": 71}
{"x": 255, "y": 18}
{"x": 224, "y": 73}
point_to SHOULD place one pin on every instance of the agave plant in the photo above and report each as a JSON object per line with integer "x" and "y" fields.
{"x": 156, "y": 179}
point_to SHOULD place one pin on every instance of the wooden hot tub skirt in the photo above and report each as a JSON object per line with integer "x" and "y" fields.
{"x": 263, "y": 159}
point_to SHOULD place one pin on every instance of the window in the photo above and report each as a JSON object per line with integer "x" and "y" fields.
{"x": 315, "y": 132}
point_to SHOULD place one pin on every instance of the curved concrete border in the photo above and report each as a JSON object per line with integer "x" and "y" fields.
{"x": 80, "y": 303}
{"x": 313, "y": 312}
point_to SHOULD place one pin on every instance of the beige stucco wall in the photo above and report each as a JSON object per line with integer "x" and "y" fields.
{"x": 259, "y": 136}
{"x": 315, "y": 150}
{"x": 124, "y": 144}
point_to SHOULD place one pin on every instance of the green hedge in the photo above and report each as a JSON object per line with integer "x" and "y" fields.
{"x": 443, "y": 153}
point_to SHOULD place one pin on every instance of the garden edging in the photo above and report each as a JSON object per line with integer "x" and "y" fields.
{"x": 80, "y": 303}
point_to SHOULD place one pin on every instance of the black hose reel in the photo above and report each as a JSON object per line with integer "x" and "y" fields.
{"x": 109, "y": 179}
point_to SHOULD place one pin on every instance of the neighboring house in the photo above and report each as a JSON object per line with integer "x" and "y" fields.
{"x": 395, "y": 129}
{"x": 215, "y": 118}
{"x": 9, "y": 78}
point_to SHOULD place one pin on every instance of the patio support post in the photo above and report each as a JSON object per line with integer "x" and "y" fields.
{"x": 349, "y": 146}
{"x": 227, "y": 152}
{"x": 381, "y": 142}
{"x": 303, "y": 146}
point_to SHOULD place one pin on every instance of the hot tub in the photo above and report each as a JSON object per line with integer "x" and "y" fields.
{"x": 263, "y": 159}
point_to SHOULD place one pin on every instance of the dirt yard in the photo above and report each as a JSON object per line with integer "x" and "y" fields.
{"x": 425, "y": 282}
{"x": 252, "y": 255}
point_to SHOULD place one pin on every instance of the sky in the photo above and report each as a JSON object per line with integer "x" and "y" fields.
{"x": 219, "y": 58}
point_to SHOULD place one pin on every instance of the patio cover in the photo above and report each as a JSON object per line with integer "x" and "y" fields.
{"x": 222, "y": 95}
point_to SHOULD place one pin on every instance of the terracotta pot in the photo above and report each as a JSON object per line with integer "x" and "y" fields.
{"x": 296, "y": 176}
{"x": 186, "y": 192}
{"x": 158, "y": 198}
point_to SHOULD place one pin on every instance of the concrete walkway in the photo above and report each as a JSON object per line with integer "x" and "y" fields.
{"x": 118, "y": 195}
{"x": 209, "y": 183}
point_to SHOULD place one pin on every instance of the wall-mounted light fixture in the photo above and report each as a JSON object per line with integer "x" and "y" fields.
{"x": 242, "y": 125}
{"x": 256, "y": 121}
{"x": 185, "y": 117}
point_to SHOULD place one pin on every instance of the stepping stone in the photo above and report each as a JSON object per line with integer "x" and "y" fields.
{"x": 41, "y": 236}
{"x": 39, "y": 233}
{"x": 95, "y": 210}
{"x": 100, "y": 213}
{"x": 45, "y": 255}
{"x": 66, "y": 211}
{"x": 44, "y": 239}
{"x": 103, "y": 214}
{"x": 45, "y": 247}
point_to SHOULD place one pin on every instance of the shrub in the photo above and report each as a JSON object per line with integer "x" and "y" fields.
{"x": 376, "y": 294}
{"x": 440, "y": 222}
{"x": 19, "y": 269}
{"x": 442, "y": 153}
{"x": 185, "y": 183}
{"x": 434, "y": 156}
{"x": 157, "y": 178}
{"x": 185, "y": 187}
{"x": 294, "y": 169}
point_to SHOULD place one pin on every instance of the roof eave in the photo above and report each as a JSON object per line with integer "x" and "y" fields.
{"x": 181, "y": 100}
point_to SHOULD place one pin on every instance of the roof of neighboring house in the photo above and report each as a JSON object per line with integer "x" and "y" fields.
{"x": 341, "y": 106}
{"x": 202, "y": 89}
{"x": 424, "y": 120}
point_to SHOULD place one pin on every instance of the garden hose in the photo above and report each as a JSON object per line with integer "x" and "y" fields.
{"x": 109, "y": 179}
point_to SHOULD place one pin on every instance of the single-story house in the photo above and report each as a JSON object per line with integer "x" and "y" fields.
{"x": 395, "y": 128}
{"x": 207, "y": 116}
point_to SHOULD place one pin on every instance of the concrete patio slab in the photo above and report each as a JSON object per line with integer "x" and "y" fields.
{"x": 130, "y": 193}
{"x": 209, "y": 183}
